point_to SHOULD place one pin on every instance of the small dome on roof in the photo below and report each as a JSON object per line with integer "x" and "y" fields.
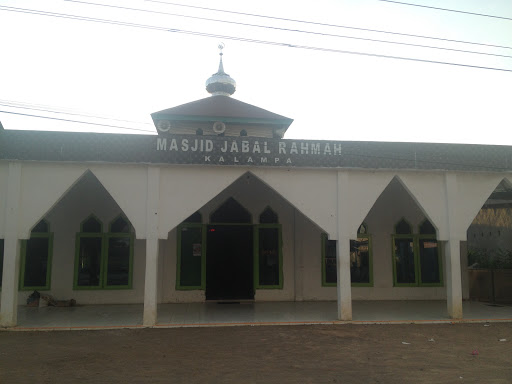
{"x": 221, "y": 83}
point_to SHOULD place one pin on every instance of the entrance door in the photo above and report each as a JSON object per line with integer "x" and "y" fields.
{"x": 229, "y": 262}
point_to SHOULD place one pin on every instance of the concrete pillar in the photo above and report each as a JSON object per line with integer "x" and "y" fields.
{"x": 11, "y": 270}
{"x": 453, "y": 279}
{"x": 464, "y": 269}
{"x": 456, "y": 234}
{"x": 151, "y": 283}
{"x": 343, "y": 279}
{"x": 298, "y": 252}
{"x": 344, "y": 288}
{"x": 151, "y": 277}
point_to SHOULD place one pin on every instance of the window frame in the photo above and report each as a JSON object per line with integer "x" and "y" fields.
{"x": 439, "y": 261}
{"x": 324, "y": 239}
{"x": 256, "y": 255}
{"x": 104, "y": 236}
{"x": 23, "y": 260}
{"x": 179, "y": 286}
{"x": 416, "y": 237}
{"x": 2, "y": 245}
{"x": 370, "y": 261}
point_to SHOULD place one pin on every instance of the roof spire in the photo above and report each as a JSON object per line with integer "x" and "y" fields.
{"x": 221, "y": 83}
{"x": 221, "y": 66}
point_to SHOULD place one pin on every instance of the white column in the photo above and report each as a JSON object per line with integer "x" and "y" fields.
{"x": 344, "y": 288}
{"x": 10, "y": 276}
{"x": 151, "y": 279}
{"x": 151, "y": 283}
{"x": 343, "y": 279}
{"x": 452, "y": 248}
{"x": 453, "y": 279}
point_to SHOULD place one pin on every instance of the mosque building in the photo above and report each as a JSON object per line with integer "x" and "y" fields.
{"x": 219, "y": 206}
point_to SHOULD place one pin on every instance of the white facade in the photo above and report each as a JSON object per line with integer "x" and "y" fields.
{"x": 157, "y": 198}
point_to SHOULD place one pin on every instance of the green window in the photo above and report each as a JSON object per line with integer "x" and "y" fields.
{"x": 190, "y": 271}
{"x": 329, "y": 273}
{"x": 268, "y": 257}
{"x": 361, "y": 267}
{"x": 1, "y": 260}
{"x": 416, "y": 257}
{"x": 104, "y": 260}
{"x": 36, "y": 255}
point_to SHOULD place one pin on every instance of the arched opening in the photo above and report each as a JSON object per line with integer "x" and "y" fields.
{"x": 489, "y": 248}
{"x": 268, "y": 216}
{"x": 93, "y": 249}
{"x": 231, "y": 212}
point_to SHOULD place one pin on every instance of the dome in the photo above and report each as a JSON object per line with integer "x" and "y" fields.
{"x": 221, "y": 83}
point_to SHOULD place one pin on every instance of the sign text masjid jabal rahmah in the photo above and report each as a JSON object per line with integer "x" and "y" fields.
{"x": 246, "y": 150}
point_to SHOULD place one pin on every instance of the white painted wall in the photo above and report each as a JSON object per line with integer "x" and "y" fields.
{"x": 305, "y": 200}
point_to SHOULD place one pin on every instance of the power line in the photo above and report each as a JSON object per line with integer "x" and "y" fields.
{"x": 82, "y": 18}
{"x": 446, "y": 9}
{"x": 76, "y": 121}
{"x": 13, "y": 105}
{"x": 235, "y": 38}
{"x": 285, "y": 29}
{"x": 327, "y": 25}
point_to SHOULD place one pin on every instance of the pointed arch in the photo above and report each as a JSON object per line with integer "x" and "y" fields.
{"x": 42, "y": 227}
{"x": 128, "y": 187}
{"x": 268, "y": 216}
{"x": 197, "y": 186}
{"x": 91, "y": 224}
{"x": 231, "y": 211}
{"x": 403, "y": 227}
{"x": 363, "y": 228}
{"x": 426, "y": 228}
{"x": 44, "y": 186}
{"x": 196, "y": 218}
{"x": 120, "y": 224}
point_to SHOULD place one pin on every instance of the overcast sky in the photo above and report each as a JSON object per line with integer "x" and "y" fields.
{"x": 89, "y": 68}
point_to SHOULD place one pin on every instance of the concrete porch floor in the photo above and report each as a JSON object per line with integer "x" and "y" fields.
{"x": 261, "y": 313}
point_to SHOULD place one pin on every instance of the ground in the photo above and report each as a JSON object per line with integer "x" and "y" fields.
{"x": 406, "y": 353}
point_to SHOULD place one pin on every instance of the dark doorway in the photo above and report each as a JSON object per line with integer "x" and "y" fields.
{"x": 229, "y": 262}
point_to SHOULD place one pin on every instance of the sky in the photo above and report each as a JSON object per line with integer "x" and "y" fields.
{"x": 117, "y": 75}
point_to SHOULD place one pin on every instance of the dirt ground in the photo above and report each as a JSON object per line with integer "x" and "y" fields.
{"x": 435, "y": 353}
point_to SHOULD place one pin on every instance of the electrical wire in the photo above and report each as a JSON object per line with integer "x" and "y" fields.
{"x": 13, "y": 105}
{"x": 286, "y": 29}
{"x": 326, "y": 25}
{"x": 204, "y": 34}
{"x": 446, "y": 9}
{"x": 77, "y": 121}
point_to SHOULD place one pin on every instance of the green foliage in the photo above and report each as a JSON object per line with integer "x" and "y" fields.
{"x": 482, "y": 258}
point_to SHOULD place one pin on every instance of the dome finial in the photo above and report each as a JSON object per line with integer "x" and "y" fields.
{"x": 221, "y": 83}
{"x": 221, "y": 66}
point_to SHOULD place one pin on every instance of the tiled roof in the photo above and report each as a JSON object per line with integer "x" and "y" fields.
{"x": 123, "y": 148}
{"x": 217, "y": 107}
